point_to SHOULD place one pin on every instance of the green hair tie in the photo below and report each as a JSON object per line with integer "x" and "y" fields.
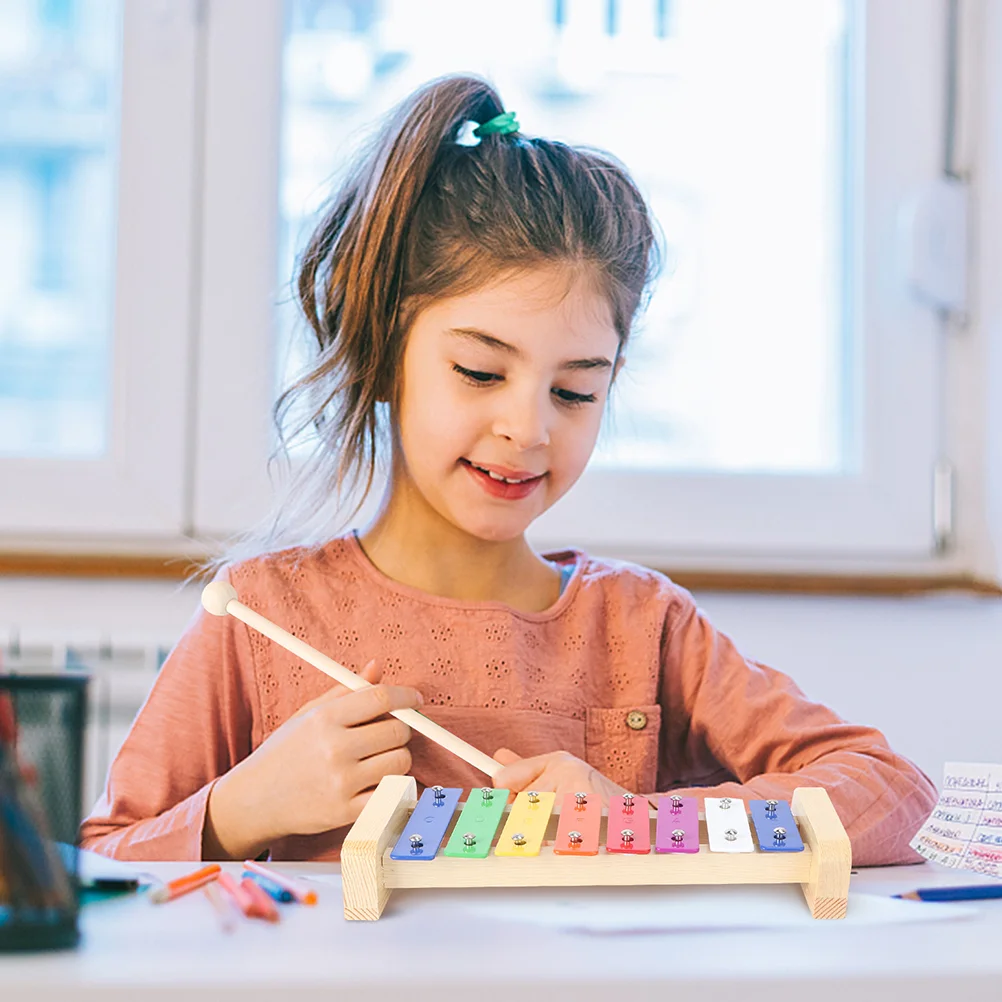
{"x": 500, "y": 125}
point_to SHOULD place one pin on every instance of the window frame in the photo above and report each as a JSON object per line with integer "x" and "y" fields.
{"x": 139, "y": 488}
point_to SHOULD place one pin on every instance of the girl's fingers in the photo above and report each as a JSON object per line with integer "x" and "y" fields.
{"x": 368, "y": 772}
{"x": 506, "y": 756}
{"x": 522, "y": 773}
{"x": 357, "y": 802}
{"x": 379, "y": 736}
{"x": 371, "y": 673}
{"x": 367, "y": 704}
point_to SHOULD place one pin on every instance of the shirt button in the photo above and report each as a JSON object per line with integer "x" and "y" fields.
{"x": 636, "y": 720}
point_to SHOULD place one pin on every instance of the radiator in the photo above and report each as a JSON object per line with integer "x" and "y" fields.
{"x": 121, "y": 671}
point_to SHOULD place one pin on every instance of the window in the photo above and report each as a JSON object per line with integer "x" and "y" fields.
{"x": 97, "y": 138}
{"x": 750, "y": 380}
{"x": 783, "y": 401}
{"x": 57, "y": 173}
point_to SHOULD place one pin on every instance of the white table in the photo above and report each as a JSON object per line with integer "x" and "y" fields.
{"x": 429, "y": 947}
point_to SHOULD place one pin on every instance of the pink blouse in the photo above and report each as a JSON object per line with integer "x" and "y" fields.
{"x": 623, "y": 670}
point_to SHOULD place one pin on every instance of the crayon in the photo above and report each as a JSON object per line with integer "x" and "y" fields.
{"x": 182, "y": 885}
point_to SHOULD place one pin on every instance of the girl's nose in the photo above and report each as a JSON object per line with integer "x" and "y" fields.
{"x": 524, "y": 421}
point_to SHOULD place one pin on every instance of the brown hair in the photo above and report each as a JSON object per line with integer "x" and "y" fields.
{"x": 419, "y": 217}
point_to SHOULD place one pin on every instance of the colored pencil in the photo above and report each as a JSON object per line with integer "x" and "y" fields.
{"x": 264, "y": 907}
{"x": 238, "y": 895}
{"x": 220, "y": 905}
{"x": 971, "y": 892}
{"x": 306, "y": 895}
{"x": 182, "y": 885}
{"x": 270, "y": 887}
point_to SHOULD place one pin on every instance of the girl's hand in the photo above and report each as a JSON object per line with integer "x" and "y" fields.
{"x": 558, "y": 771}
{"x": 314, "y": 773}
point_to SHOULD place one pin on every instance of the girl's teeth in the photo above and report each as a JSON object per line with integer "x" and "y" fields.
{"x": 497, "y": 476}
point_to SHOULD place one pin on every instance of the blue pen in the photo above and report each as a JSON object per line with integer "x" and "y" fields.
{"x": 972, "y": 892}
{"x": 270, "y": 887}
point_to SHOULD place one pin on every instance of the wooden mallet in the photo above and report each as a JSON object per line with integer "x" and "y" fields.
{"x": 220, "y": 599}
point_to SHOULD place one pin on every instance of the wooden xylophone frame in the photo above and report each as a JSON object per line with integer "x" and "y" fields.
{"x": 368, "y": 874}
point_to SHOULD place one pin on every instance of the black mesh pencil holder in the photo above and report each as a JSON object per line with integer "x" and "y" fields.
{"x": 41, "y": 763}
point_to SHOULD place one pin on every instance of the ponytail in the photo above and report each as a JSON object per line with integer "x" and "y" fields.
{"x": 351, "y": 276}
{"x": 418, "y": 217}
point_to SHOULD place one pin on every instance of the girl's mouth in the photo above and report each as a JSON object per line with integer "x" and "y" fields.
{"x": 500, "y": 487}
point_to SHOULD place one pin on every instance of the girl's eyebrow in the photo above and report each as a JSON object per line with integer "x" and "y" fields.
{"x": 482, "y": 337}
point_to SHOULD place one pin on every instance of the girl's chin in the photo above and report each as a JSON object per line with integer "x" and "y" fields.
{"x": 495, "y": 531}
{"x": 495, "y": 534}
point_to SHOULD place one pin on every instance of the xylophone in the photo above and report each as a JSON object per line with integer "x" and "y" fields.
{"x": 370, "y": 869}
{"x": 397, "y": 842}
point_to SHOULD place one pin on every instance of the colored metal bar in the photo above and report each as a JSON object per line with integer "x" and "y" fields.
{"x": 629, "y": 828}
{"x": 678, "y": 825}
{"x": 523, "y": 832}
{"x": 478, "y": 821}
{"x": 425, "y": 828}
{"x": 775, "y": 826}
{"x": 580, "y": 819}
{"x": 727, "y": 825}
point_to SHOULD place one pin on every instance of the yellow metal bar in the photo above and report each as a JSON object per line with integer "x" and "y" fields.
{"x": 526, "y": 826}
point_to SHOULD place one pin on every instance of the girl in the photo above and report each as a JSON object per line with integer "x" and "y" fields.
{"x": 471, "y": 304}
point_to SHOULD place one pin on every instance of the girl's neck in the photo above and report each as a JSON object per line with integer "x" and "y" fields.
{"x": 424, "y": 551}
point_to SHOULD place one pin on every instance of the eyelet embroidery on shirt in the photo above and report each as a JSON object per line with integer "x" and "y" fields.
{"x": 547, "y": 661}
{"x": 441, "y": 666}
{"x": 439, "y": 699}
{"x": 622, "y": 680}
{"x": 496, "y": 669}
{"x": 496, "y": 632}
{"x": 345, "y": 638}
{"x": 625, "y": 755}
{"x": 345, "y": 604}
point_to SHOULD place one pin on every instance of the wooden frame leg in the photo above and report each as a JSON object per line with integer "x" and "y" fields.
{"x": 827, "y": 890}
{"x": 365, "y": 892}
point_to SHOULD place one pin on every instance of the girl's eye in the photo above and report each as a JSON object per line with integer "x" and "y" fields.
{"x": 480, "y": 378}
{"x": 574, "y": 399}
{"x": 567, "y": 397}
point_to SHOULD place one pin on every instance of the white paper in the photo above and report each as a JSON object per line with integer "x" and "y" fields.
{"x": 93, "y": 866}
{"x": 964, "y": 830}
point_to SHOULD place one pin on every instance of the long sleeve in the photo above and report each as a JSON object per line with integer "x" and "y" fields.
{"x": 723, "y": 710}
{"x": 195, "y": 725}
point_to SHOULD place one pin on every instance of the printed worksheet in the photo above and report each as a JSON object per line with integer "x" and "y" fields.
{"x": 965, "y": 829}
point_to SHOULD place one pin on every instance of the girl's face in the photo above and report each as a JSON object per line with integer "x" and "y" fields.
{"x": 509, "y": 381}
